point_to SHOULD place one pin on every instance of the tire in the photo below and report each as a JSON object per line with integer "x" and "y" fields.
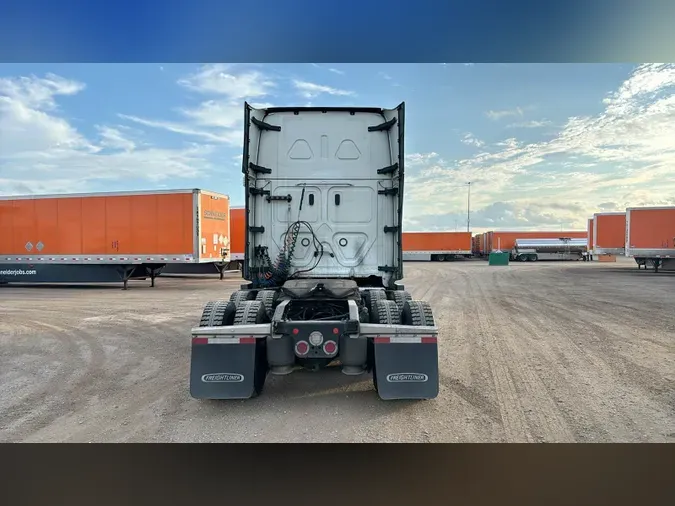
{"x": 400, "y": 297}
{"x": 385, "y": 312}
{"x": 417, "y": 313}
{"x": 370, "y": 296}
{"x": 242, "y": 295}
{"x": 218, "y": 313}
{"x": 268, "y": 299}
{"x": 251, "y": 312}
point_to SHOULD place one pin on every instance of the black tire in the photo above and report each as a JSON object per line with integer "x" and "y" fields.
{"x": 373, "y": 294}
{"x": 417, "y": 313}
{"x": 218, "y": 313}
{"x": 251, "y": 312}
{"x": 242, "y": 295}
{"x": 385, "y": 312}
{"x": 268, "y": 299}
{"x": 400, "y": 297}
{"x": 370, "y": 297}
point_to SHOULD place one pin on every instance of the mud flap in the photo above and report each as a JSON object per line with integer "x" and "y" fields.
{"x": 226, "y": 368}
{"x": 406, "y": 368}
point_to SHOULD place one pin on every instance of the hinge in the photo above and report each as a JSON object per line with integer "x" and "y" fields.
{"x": 257, "y": 230}
{"x": 258, "y": 191}
{"x": 388, "y": 230}
{"x": 388, "y": 170}
{"x": 259, "y": 169}
{"x": 388, "y": 191}
{"x": 287, "y": 198}
{"x": 383, "y": 126}
{"x": 265, "y": 126}
{"x": 386, "y": 268}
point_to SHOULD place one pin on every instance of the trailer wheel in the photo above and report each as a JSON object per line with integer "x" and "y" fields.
{"x": 268, "y": 299}
{"x": 400, "y": 297}
{"x": 417, "y": 313}
{"x": 251, "y": 312}
{"x": 242, "y": 295}
{"x": 218, "y": 313}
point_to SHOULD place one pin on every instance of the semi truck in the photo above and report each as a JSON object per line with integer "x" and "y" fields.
{"x": 436, "y": 246}
{"x": 323, "y": 260}
{"x": 650, "y": 237}
{"x": 110, "y": 236}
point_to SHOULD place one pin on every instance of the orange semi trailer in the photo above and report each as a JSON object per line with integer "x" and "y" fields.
{"x": 435, "y": 246}
{"x": 650, "y": 236}
{"x": 110, "y": 237}
{"x": 609, "y": 233}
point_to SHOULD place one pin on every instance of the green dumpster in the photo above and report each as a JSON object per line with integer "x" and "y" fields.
{"x": 498, "y": 259}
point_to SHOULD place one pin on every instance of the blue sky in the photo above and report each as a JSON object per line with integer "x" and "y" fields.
{"x": 545, "y": 145}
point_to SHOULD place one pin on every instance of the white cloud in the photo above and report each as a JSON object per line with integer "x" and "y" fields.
{"x": 384, "y": 75}
{"x": 312, "y": 90}
{"x": 497, "y": 115}
{"x": 470, "y": 140}
{"x": 220, "y": 79}
{"x": 624, "y": 155}
{"x": 530, "y": 124}
{"x": 41, "y": 151}
{"x": 113, "y": 138}
{"x": 337, "y": 71}
{"x": 218, "y": 119}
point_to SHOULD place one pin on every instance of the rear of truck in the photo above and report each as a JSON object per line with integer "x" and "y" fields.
{"x": 323, "y": 257}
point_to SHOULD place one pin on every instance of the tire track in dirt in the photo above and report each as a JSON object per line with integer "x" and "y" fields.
{"x": 595, "y": 394}
{"x": 79, "y": 356}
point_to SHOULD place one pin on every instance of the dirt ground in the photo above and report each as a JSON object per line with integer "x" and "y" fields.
{"x": 543, "y": 352}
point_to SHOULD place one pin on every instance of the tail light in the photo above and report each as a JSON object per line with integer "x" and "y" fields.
{"x": 302, "y": 348}
{"x": 330, "y": 348}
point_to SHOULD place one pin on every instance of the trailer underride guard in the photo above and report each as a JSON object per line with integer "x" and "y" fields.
{"x": 324, "y": 199}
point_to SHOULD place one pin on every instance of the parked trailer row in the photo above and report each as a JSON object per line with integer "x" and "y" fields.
{"x": 111, "y": 237}
{"x": 646, "y": 234}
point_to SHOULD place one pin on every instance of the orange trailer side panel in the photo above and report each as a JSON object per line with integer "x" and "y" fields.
{"x": 610, "y": 230}
{"x": 215, "y": 225}
{"x": 652, "y": 228}
{"x": 175, "y": 223}
{"x": 237, "y": 231}
{"x": 507, "y": 240}
{"x": 93, "y": 227}
{"x": 100, "y": 225}
{"x": 436, "y": 241}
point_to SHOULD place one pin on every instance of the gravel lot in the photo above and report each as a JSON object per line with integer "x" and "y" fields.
{"x": 543, "y": 352}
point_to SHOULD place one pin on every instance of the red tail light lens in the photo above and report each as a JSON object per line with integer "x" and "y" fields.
{"x": 330, "y": 348}
{"x": 302, "y": 348}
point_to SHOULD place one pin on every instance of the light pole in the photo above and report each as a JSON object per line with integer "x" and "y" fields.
{"x": 468, "y": 208}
